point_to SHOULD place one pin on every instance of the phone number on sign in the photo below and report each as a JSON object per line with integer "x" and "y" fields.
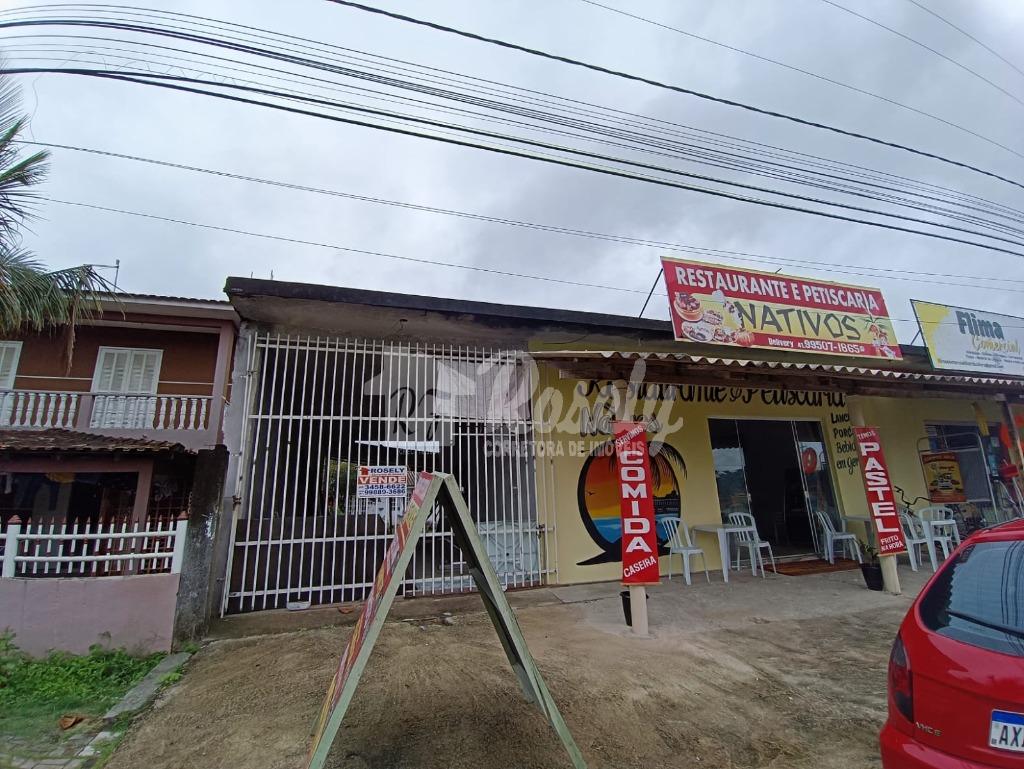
{"x": 827, "y": 346}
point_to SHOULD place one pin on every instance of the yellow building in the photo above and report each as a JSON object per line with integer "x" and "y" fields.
{"x": 752, "y": 436}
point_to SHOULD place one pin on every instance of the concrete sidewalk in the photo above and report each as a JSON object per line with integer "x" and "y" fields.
{"x": 677, "y": 608}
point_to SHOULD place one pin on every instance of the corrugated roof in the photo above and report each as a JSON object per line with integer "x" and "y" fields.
{"x": 804, "y": 367}
{"x": 56, "y": 439}
{"x": 164, "y": 298}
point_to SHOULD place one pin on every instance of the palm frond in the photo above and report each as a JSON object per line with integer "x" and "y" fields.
{"x": 33, "y": 298}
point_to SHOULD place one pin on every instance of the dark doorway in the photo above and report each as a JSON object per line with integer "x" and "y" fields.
{"x": 777, "y": 499}
{"x": 777, "y": 471}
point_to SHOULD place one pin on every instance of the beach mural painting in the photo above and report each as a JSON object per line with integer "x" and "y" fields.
{"x": 600, "y": 502}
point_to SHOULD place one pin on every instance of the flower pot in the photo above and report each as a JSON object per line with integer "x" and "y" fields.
{"x": 872, "y": 575}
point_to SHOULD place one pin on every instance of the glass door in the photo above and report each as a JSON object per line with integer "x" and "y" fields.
{"x": 815, "y": 476}
{"x": 730, "y": 467}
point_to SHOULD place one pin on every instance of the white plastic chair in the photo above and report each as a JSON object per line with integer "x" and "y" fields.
{"x": 913, "y": 533}
{"x": 941, "y": 513}
{"x": 933, "y": 535}
{"x": 679, "y": 543}
{"x": 751, "y": 540}
{"x": 831, "y": 537}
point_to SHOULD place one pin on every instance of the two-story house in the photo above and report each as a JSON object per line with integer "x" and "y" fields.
{"x": 99, "y": 460}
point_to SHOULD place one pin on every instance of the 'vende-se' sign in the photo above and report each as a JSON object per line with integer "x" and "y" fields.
{"x": 881, "y": 500}
{"x": 746, "y": 308}
{"x": 639, "y": 535}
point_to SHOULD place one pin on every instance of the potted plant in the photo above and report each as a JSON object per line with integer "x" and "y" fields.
{"x": 871, "y": 568}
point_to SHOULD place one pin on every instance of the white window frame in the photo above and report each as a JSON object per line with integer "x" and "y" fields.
{"x": 98, "y": 368}
{"x": 8, "y": 384}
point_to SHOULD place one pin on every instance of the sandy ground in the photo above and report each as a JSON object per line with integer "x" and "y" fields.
{"x": 785, "y": 673}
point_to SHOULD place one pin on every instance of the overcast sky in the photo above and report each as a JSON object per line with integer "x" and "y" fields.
{"x": 173, "y": 259}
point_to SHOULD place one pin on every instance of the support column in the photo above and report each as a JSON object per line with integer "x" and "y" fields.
{"x": 220, "y": 378}
{"x": 197, "y": 586}
{"x": 140, "y": 507}
{"x": 890, "y": 574}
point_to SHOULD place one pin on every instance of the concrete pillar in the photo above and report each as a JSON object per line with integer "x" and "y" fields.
{"x": 890, "y": 574}
{"x": 198, "y": 584}
{"x": 220, "y": 379}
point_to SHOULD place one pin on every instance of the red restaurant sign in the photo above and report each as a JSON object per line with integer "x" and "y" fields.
{"x": 881, "y": 500}
{"x": 639, "y": 535}
{"x": 746, "y": 308}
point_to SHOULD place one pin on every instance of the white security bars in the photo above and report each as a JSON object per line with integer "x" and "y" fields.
{"x": 85, "y": 550}
{"x": 316, "y": 408}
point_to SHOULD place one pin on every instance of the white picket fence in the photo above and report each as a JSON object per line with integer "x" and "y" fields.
{"x": 58, "y": 550}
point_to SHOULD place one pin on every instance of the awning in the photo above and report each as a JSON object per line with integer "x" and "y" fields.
{"x": 701, "y": 369}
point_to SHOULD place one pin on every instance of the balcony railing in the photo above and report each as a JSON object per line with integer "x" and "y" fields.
{"x": 36, "y": 409}
{"x": 32, "y": 408}
{"x": 149, "y": 412}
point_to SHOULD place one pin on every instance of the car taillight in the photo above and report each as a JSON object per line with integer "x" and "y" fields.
{"x": 901, "y": 681}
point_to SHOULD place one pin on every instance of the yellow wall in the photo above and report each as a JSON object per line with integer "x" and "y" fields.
{"x": 563, "y": 451}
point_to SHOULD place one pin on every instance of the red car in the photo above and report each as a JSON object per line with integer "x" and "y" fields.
{"x": 956, "y": 672}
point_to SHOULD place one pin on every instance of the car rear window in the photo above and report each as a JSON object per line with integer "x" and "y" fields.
{"x": 979, "y": 598}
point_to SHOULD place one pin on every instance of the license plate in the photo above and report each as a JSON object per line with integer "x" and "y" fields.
{"x": 1007, "y": 732}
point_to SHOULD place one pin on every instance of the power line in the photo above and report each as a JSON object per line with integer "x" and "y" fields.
{"x": 792, "y": 68}
{"x": 678, "y": 89}
{"x": 381, "y": 254}
{"x": 926, "y": 47}
{"x": 865, "y": 271}
{"x": 335, "y": 247}
{"x": 577, "y": 105}
{"x": 966, "y": 34}
{"x": 164, "y": 82}
{"x": 688, "y": 154}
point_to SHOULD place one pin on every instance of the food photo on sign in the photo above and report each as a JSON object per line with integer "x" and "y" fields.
{"x": 712, "y": 304}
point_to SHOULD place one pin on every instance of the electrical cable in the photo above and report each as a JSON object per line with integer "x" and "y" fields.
{"x": 364, "y": 57}
{"x": 384, "y": 255}
{"x": 163, "y": 81}
{"x": 792, "y": 68}
{"x": 926, "y": 47}
{"x": 968, "y": 35}
{"x": 865, "y": 270}
{"x": 676, "y": 88}
{"x": 787, "y": 176}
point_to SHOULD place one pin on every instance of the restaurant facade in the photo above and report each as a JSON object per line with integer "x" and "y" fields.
{"x": 747, "y": 411}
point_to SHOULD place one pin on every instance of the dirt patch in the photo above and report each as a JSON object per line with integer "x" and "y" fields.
{"x": 794, "y": 693}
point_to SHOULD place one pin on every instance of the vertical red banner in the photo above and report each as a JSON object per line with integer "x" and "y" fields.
{"x": 877, "y": 484}
{"x": 639, "y": 535}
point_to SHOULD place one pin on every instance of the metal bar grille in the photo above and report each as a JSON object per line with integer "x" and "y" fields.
{"x": 318, "y": 407}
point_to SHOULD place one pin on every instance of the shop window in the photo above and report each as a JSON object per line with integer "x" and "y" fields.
{"x": 979, "y": 458}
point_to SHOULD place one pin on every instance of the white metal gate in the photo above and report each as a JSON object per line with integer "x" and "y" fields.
{"x": 317, "y": 407}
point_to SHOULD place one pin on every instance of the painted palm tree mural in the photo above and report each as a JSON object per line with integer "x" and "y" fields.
{"x": 599, "y": 500}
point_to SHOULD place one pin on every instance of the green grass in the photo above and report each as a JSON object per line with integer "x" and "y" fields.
{"x": 35, "y": 693}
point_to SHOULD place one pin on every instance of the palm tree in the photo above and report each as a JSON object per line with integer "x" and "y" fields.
{"x": 33, "y": 298}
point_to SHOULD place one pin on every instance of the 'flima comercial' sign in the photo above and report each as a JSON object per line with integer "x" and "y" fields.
{"x": 971, "y": 340}
{"x": 745, "y": 308}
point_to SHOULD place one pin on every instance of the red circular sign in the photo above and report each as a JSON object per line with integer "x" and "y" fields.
{"x": 809, "y": 460}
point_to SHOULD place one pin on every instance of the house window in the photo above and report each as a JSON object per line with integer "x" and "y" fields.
{"x": 9, "y": 354}
{"x": 125, "y": 381}
{"x": 128, "y": 371}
